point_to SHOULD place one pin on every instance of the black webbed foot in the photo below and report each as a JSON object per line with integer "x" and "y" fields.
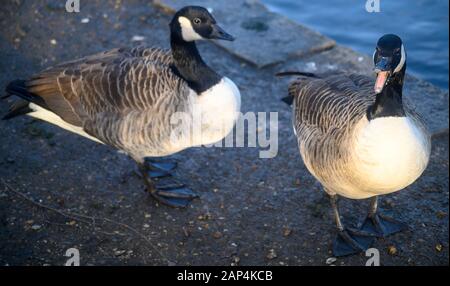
{"x": 174, "y": 196}
{"x": 162, "y": 165}
{"x": 381, "y": 225}
{"x": 159, "y": 169}
{"x": 350, "y": 241}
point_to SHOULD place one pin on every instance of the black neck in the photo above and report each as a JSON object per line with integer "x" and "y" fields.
{"x": 190, "y": 66}
{"x": 389, "y": 103}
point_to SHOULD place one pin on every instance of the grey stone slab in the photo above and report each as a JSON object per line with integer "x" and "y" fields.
{"x": 430, "y": 101}
{"x": 263, "y": 38}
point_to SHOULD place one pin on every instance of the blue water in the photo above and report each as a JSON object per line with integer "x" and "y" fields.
{"x": 422, "y": 24}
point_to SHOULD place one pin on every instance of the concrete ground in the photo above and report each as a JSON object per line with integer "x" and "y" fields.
{"x": 59, "y": 191}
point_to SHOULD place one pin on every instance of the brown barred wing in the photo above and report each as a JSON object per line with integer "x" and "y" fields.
{"x": 116, "y": 81}
{"x": 325, "y": 111}
{"x": 331, "y": 102}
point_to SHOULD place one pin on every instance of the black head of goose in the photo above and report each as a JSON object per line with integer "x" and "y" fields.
{"x": 192, "y": 24}
{"x": 390, "y": 67}
{"x": 359, "y": 139}
{"x": 131, "y": 99}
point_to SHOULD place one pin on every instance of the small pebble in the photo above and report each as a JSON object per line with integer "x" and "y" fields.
{"x": 441, "y": 214}
{"x": 311, "y": 66}
{"x": 186, "y": 232}
{"x": 36, "y": 227}
{"x": 137, "y": 38}
{"x": 85, "y": 20}
{"x": 236, "y": 261}
{"x": 217, "y": 235}
{"x": 53, "y": 42}
{"x": 119, "y": 252}
{"x": 272, "y": 254}
{"x": 287, "y": 232}
{"x": 392, "y": 250}
{"x": 331, "y": 67}
{"x": 389, "y": 203}
{"x": 204, "y": 217}
{"x": 331, "y": 260}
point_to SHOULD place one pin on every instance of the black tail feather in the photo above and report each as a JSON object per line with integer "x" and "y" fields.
{"x": 20, "y": 107}
{"x": 19, "y": 88}
{"x": 295, "y": 73}
{"x": 288, "y": 100}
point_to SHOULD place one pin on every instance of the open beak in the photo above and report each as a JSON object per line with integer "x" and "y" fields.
{"x": 380, "y": 83}
{"x": 219, "y": 34}
{"x": 383, "y": 71}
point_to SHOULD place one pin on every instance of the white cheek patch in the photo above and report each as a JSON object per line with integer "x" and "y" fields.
{"x": 402, "y": 61}
{"x": 187, "y": 31}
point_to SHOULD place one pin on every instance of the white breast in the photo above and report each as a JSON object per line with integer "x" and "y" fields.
{"x": 389, "y": 154}
{"x": 208, "y": 119}
{"x": 219, "y": 109}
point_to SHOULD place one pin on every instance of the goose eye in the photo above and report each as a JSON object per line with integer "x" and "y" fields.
{"x": 197, "y": 21}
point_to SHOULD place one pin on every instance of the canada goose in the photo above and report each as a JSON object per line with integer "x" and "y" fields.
{"x": 131, "y": 98}
{"x": 359, "y": 139}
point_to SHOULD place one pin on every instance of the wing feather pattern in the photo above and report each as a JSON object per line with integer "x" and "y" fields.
{"x": 109, "y": 85}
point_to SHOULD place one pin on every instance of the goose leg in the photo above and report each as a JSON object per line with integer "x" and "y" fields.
{"x": 159, "y": 169}
{"x": 349, "y": 241}
{"x": 379, "y": 224}
{"x": 177, "y": 196}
